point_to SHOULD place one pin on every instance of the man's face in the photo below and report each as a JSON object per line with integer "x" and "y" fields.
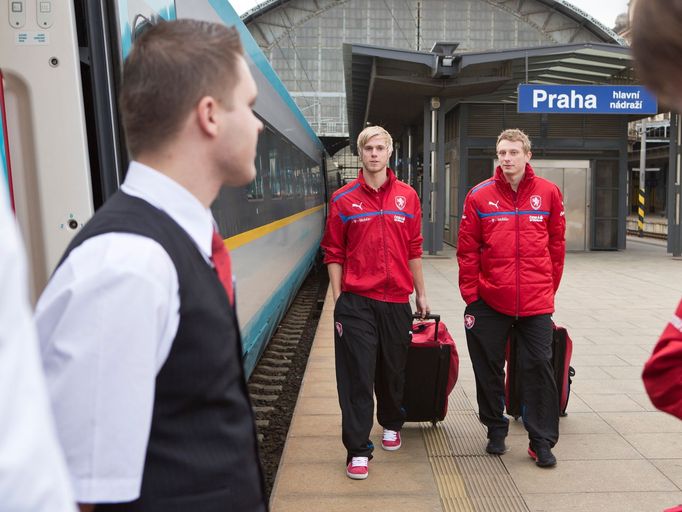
{"x": 236, "y": 145}
{"x": 512, "y": 159}
{"x": 375, "y": 154}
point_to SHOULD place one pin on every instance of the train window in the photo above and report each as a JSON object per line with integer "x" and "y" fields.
{"x": 255, "y": 189}
{"x": 298, "y": 174}
{"x": 307, "y": 183}
{"x": 275, "y": 184}
{"x": 288, "y": 171}
{"x": 315, "y": 172}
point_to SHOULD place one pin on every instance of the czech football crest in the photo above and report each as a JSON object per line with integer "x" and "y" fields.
{"x": 535, "y": 202}
{"x": 400, "y": 202}
{"x": 469, "y": 321}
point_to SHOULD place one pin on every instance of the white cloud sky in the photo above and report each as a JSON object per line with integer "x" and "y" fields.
{"x": 603, "y": 10}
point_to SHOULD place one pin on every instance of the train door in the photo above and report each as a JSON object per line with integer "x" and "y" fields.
{"x": 573, "y": 177}
{"x": 45, "y": 128}
{"x": 61, "y": 66}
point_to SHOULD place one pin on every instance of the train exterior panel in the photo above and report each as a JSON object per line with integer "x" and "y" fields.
{"x": 273, "y": 226}
{"x": 46, "y": 141}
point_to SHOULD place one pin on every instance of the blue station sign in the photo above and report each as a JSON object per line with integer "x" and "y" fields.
{"x": 586, "y": 99}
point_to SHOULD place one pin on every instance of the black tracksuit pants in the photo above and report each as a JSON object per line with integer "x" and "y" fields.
{"x": 486, "y": 340}
{"x": 371, "y": 339}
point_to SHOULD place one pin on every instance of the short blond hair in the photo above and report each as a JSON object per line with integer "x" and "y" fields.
{"x": 373, "y": 131}
{"x": 515, "y": 135}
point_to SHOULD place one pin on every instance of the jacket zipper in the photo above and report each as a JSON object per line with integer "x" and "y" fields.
{"x": 518, "y": 258}
{"x": 383, "y": 239}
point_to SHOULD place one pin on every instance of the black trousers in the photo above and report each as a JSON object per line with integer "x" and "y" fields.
{"x": 371, "y": 339}
{"x": 486, "y": 340}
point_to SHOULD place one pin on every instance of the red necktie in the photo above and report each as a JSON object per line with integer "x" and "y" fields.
{"x": 223, "y": 267}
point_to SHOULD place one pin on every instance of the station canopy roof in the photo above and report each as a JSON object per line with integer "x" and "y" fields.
{"x": 389, "y": 86}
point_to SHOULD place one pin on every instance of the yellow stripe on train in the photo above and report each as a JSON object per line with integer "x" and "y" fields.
{"x": 249, "y": 236}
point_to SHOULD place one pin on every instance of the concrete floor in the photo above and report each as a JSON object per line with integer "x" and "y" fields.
{"x": 616, "y": 452}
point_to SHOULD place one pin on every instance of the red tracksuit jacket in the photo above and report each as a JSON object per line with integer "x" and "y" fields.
{"x": 662, "y": 374}
{"x": 373, "y": 235}
{"x": 511, "y": 247}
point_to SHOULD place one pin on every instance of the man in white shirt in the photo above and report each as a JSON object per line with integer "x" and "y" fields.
{"x": 33, "y": 476}
{"x": 139, "y": 334}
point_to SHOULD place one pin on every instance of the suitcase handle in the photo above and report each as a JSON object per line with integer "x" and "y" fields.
{"x": 430, "y": 316}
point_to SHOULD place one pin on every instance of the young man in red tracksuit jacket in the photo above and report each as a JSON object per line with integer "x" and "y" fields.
{"x": 373, "y": 248}
{"x": 663, "y": 371}
{"x": 511, "y": 256}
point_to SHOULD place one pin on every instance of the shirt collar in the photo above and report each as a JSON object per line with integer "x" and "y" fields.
{"x": 172, "y": 198}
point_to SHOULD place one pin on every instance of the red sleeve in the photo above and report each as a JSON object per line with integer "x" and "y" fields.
{"x": 469, "y": 252}
{"x": 416, "y": 238}
{"x": 662, "y": 374}
{"x": 557, "y": 237}
{"x": 333, "y": 241}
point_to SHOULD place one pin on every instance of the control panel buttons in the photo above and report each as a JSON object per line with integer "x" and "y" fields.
{"x": 44, "y": 13}
{"x": 17, "y": 13}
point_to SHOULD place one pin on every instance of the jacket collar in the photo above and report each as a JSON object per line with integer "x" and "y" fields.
{"x": 528, "y": 175}
{"x": 387, "y": 184}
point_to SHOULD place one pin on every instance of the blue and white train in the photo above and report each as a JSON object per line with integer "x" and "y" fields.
{"x": 63, "y": 152}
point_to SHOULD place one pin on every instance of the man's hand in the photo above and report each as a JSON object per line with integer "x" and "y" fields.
{"x": 422, "y": 306}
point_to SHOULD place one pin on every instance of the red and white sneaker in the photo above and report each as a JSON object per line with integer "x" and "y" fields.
{"x": 357, "y": 468}
{"x": 391, "y": 440}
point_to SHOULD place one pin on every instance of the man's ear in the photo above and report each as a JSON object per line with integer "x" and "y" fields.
{"x": 206, "y": 111}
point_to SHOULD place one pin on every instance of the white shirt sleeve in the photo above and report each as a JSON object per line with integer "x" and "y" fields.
{"x": 33, "y": 476}
{"x": 106, "y": 322}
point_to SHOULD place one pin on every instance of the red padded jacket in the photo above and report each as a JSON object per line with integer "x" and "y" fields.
{"x": 373, "y": 234}
{"x": 511, "y": 246}
{"x": 662, "y": 374}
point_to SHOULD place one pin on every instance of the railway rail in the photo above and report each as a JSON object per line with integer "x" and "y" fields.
{"x": 275, "y": 382}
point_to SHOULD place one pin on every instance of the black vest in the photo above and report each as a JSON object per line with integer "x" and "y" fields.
{"x": 202, "y": 454}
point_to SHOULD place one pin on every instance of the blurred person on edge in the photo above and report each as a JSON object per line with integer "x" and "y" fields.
{"x": 33, "y": 475}
{"x": 657, "y": 47}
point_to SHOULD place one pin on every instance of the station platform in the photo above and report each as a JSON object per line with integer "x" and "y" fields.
{"x": 654, "y": 225}
{"x": 615, "y": 452}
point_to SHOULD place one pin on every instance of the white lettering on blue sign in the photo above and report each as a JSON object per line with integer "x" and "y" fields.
{"x": 572, "y": 100}
{"x": 586, "y": 99}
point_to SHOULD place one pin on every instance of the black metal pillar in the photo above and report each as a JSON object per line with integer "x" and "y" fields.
{"x": 674, "y": 188}
{"x": 433, "y": 198}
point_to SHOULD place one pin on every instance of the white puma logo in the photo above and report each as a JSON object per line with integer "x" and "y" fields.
{"x": 496, "y": 204}
{"x": 357, "y": 205}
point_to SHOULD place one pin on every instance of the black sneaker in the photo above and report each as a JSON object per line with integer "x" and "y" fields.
{"x": 543, "y": 455}
{"x": 496, "y": 446}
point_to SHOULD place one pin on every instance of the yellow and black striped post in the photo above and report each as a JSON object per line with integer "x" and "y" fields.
{"x": 640, "y": 209}
{"x": 642, "y": 182}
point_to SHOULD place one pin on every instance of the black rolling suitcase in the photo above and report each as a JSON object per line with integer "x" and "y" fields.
{"x": 431, "y": 373}
{"x": 562, "y": 350}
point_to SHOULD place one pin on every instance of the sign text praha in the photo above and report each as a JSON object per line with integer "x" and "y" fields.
{"x": 586, "y": 99}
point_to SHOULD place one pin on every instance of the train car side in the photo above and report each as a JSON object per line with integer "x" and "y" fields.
{"x": 71, "y": 158}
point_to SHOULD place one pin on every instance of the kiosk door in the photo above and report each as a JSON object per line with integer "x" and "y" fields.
{"x": 573, "y": 177}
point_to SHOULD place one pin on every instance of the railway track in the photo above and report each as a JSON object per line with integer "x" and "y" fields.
{"x": 648, "y": 234}
{"x": 275, "y": 382}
